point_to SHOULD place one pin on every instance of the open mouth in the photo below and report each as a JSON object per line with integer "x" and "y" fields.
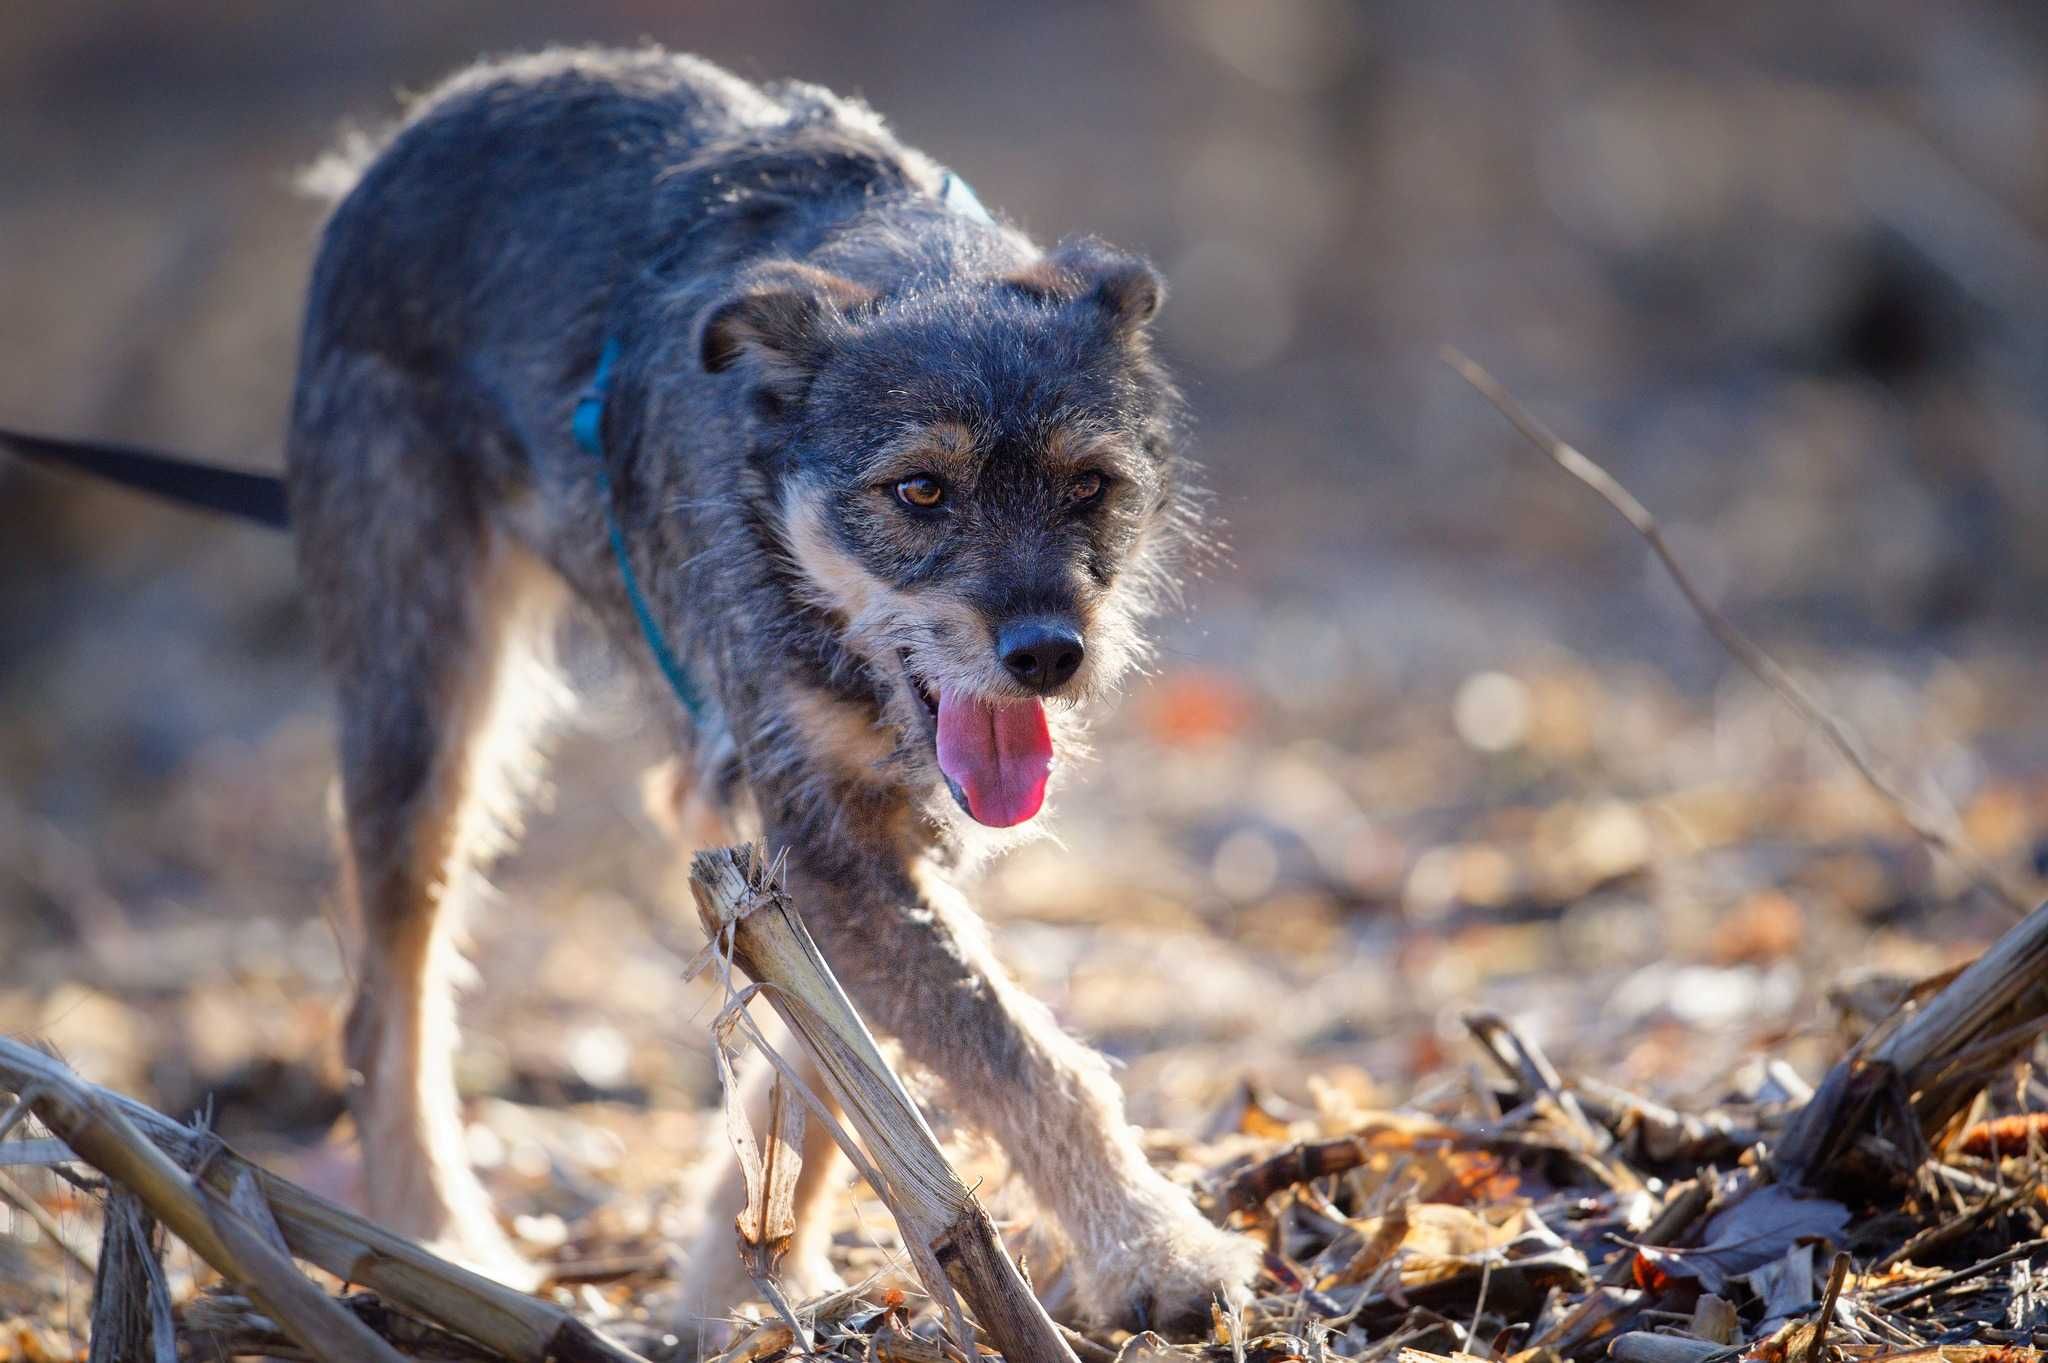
{"x": 996, "y": 755}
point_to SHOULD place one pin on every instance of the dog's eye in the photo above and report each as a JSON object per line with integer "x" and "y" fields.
{"x": 923, "y": 492}
{"x": 1085, "y": 488}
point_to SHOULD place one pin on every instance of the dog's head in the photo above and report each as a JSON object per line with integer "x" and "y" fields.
{"x": 976, "y": 482}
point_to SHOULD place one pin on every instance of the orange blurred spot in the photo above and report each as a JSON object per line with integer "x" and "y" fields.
{"x": 1195, "y": 706}
{"x": 1647, "y": 1274}
{"x": 2003, "y": 1136}
{"x": 2000, "y": 821}
{"x": 1767, "y": 926}
{"x": 1426, "y": 1054}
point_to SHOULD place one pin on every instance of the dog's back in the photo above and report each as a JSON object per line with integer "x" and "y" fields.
{"x": 485, "y": 237}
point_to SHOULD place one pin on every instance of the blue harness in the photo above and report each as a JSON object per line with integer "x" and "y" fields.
{"x": 587, "y": 425}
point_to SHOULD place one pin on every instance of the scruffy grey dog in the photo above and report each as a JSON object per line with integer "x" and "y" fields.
{"x": 895, "y": 487}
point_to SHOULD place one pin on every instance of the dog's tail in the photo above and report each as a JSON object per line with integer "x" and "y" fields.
{"x": 257, "y": 497}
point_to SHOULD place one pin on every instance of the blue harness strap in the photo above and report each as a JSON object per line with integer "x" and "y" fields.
{"x": 587, "y": 425}
{"x": 956, "y": 194}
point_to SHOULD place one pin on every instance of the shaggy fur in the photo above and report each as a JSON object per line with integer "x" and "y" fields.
{"x": 802, "y": 323}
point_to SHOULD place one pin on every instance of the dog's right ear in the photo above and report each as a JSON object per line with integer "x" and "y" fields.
{"x": 783, "y": 317}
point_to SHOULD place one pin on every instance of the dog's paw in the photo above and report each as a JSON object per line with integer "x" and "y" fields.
{"x": 714, "y": 1282}
{"x": 1168, "y": 1276}
{"x": 481, "y": 1247}
{"x": 460, "y": 1228}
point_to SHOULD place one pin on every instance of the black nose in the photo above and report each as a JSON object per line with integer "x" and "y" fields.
{"x": 1041, "y": 654}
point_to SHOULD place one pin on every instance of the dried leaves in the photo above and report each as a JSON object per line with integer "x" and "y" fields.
{"x": 1745, "y": 1237}
{"x": 1576, "y": 1247}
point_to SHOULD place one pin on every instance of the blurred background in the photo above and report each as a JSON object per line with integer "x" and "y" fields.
{"x": 1433, "y": 735}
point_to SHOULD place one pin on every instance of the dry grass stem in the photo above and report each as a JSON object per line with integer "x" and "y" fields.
{"x": 1940, "y": 831}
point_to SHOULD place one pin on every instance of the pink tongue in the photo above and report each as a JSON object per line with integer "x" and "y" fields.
{"x": 997, "y": 753}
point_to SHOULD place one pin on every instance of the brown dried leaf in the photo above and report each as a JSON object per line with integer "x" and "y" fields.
{"x": 1255, "y": 1120}
{"x": 1747, "y": 1236}
{"x": 1383, "y": 1238}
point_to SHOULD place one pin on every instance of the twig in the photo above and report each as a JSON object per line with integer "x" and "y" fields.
{"x": 1685, "y": 1205}
{"x": 22, "y": 1198}
{"x": 1924, "y": 1243}
{"x": 24, "y": 1104}
{"x": 1837, "y": 1275}
{"x": 41, "y": 1153}
{"x": 131, "y": 1302}
{"x": 1892, "y": 1301}
{"x": 105, "y": 1138}
{"x": 1524, "y": 1062}
{"x": 1997, "y": 996}
{"x": 1478, "y": 1306}
{"x": 950, "y": 1237}
{"x": 1939, "y": 834}
{"x": 518, "y": 1327}
{"x": 1086, "y": 1349}
{"x": 222, "y": 1325}
{"x": 1303, "y": 1163}
{"x": 1657, "y": 1134}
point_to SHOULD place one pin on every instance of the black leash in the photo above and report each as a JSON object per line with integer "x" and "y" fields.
{"x": 257, "y": 497}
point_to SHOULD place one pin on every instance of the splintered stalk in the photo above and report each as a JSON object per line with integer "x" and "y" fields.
{"x": 948, "y": 1234}
{"x": 233, "y": 1214}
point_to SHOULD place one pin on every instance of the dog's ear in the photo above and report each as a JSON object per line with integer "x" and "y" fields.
{"x": 1126, "y": 288}
{"x": 784, "y": 315}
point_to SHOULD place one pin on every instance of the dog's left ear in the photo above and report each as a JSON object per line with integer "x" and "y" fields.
{"x": 784, "y": 315}
{"x": 1124, "y": 287}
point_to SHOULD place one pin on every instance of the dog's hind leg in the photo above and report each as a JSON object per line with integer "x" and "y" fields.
{"x": 435, "y": 630}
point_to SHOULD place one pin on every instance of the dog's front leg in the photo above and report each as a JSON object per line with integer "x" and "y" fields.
{"x": 917, "y": 963}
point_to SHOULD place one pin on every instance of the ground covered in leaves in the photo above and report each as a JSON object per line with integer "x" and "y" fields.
{"x": 1435, "y": 741}
{"x": 1285, "y": 909}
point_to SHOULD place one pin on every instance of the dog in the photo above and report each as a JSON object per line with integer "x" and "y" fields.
{"x": 877, "y": 492}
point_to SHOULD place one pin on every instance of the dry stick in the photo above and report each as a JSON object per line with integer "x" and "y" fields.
{"x": 1935, "y": 832}
{"x": 768, "y": 1222}
{"x": 950, "y": 1237}
{"x": 2027, "y": 1249}
{"x": 22, "y": 1198}
{"x": 1525, "y": 1064}
{"x": 1837, "y": 1275}
{"x": 1303, "y": 1163}
{"x": 223, "y": 1325}
{"x": 1999, "y": 994}
{"x": 512, "y": 1324}
{"x": 1685, "y": 1206}
{"x": 131, "y": 1302}
{"x": 1308, "y": 1161}
{"x": 1087, "y": 1349}
{"x": 40, "y": 1153}
{"x": 110, "y": 1143}
{"x": 1658, "y": 1133}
